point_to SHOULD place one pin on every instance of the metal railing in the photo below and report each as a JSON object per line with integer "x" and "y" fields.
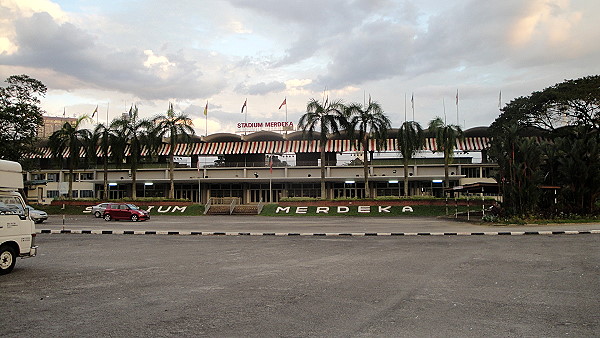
{"x": 260, "y": 206}
{"x": 232, "y": 205}
{"x": 207, "y": 205}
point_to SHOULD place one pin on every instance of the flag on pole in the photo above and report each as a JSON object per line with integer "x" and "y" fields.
{"x": 283, "y": 103}
{"x": 64, "y": 111}
{"x": 206, "y": 109}
{"x": 369, "y": 99}
{"x": 500, "y": 99}
{"x": 457, "y": 97}
{"x": 95, "y": 111}
{"x": 271, "y": 164}
{"x": 412, "y": 101}
{"x": 244, "y": 105}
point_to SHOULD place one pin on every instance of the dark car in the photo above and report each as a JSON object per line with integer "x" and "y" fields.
{"x": 125, "y": 211}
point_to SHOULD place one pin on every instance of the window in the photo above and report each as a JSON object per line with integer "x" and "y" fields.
{"x": 86, "y": 193}
{"x": 86, "y": 176}
{"x": 11, "y": 206}
{"x": 52, "y": 193}
{"x": 66, "y": 176}
{"x": 52, "y": 177}
{"x": 470, "y": 172}
{"x": 38, "y": 177}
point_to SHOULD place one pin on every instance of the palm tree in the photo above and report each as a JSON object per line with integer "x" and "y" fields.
{"x": 410, "y": 140}
{"x": 368, "y": 122}
{"x": 73, "y": 139}
{"x": 106, "y": 140}
{"x": 327, "y": 117}
{"x": 132, "y": 130}
{"x": 446, "y": 136}
{"x": 176, "y": 127}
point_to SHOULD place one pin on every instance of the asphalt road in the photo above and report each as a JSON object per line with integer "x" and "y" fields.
{"x": 265, "y": 286}
{"x": 303, "y": 224}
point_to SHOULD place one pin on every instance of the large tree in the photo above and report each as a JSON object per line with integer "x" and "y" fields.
{"x": 133, "y": 131}
{"x": 178, "y": 128}
{"x": 368, "y": 122}
{"x": 410, "y": 140}
{"x": 325, "y": 117}
{"x": 20, "y": 116}
{"x": 105, "y": 139}
{"x": 71, "y": 140}
{"x": 446, "y": 136}
{"x": 562, "y": 123}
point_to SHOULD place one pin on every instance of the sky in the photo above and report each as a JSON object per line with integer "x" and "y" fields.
{"x": 113, "y": 54}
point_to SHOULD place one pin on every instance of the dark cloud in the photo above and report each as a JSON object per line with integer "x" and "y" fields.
{"x": 376, "y": 51}
{"x": 64, "y": 48}
{"x": 261, "y": 88}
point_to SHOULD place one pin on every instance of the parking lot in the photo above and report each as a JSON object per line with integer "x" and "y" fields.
{"x": 120, "y": 285}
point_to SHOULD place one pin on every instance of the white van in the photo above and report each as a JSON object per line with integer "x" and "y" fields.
{"x": 17, "y": 230}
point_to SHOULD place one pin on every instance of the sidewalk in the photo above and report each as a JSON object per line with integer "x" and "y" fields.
{"x": 308, "y": 226}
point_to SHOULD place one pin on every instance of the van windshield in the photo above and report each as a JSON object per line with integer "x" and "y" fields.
{"x": 132, "y": 207}
{"x": 11, "y": 206}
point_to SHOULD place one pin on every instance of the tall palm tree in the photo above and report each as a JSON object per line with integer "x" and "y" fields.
{"x": 105, "y": 139}
{"x": 326, "y": 117}
{"x": 366, "y": 122}
{"x": 446, "y": 136}
{"x": 72, "y": 139}
{"x": 132, "y": 130}
{"x": 178, "y": 127}
{"x": 410, "y": 140}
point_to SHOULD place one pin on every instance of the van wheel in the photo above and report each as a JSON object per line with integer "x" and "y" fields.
{"x": 8, "y": 259}
{"x": 97, "y": 214}
{"x": 107, "y": 217}
{"x": 134, "y": 218}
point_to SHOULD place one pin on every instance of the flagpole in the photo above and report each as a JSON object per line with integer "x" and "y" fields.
{"x": 107, "y": 105}
{"x": 286, "y": 115}
{"x": 412, "y": 103}
{"x": 206, "y": 119}
{"x": 444, "y": 104}
{"x": 404, "y": 107}
{"x": 457, "y": 119}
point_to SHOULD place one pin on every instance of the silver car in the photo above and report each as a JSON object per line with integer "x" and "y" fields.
{"x": 98, "y": 210}
{"x": 38, "y": 216}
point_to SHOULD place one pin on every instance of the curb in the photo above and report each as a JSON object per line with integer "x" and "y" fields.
{"x": 349, "y": 234}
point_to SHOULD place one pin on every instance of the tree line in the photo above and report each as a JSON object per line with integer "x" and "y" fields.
{"x": 547, "y": 147}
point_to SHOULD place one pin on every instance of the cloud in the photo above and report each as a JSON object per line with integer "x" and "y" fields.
{"x": 68, "y": 50}
{"x": 261, "y": 88}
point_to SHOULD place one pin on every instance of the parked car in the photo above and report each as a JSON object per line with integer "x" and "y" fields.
{"x": 125, "y": 211}
{"x": 98, "y": 210}
{"x": 38, "y": 216}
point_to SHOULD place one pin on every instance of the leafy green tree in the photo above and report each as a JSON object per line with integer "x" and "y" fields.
{"x": 567, "y": 115}
{"x": 20, "y": 116}
{"x": 410, "y": 139}
{"x": 178, "y": 128}
{"x": 446, "y": 136}
{"x": 105, "y": 139}
{"x": 368, "y": 122}
{"x": 133, "y": 130}
{"x": 72, "y": 140}
{"x": 325, "y": 117}
{"x": 578, "y": 169}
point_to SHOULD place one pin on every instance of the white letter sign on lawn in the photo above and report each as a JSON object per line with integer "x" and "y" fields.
{"x": 286, "y": 210}
{"x": 364, "y": 209}
{"x": 301, "y": 210}
{"x": 342, "y": 210}
{"x": 322, "y": 210}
